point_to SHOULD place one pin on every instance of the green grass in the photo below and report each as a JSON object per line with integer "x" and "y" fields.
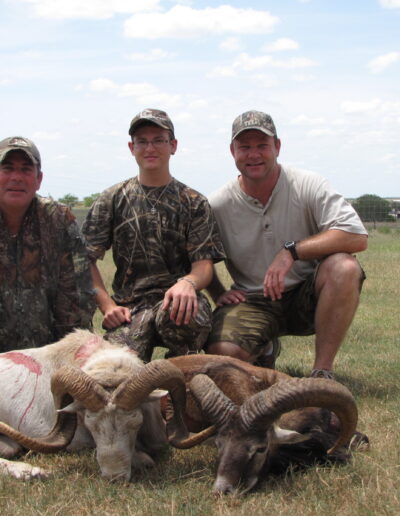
{"x": 368, "y": 363}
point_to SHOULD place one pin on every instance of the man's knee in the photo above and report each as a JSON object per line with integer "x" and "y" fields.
{"x": 340, "y": 269}
{"x": 228, "y": 349}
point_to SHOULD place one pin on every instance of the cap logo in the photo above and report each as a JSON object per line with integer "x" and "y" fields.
{"x": 18, "y": 142}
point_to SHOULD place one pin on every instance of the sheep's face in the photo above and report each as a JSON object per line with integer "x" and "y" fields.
{"x": 114, "y": 431}
{"x": 240, "y": 459}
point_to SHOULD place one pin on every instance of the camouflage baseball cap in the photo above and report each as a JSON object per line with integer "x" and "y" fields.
{"x": 14, "y": 143}
{"x": 154, "y": 116}
{"x": 253, "y": 120}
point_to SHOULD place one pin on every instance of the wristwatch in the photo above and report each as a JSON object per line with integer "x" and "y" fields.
{"x": 291, "y": 247}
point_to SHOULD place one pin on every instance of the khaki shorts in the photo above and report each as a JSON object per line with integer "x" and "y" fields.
{"x": 151, "y": 327}
{"x": 256, "y": 321}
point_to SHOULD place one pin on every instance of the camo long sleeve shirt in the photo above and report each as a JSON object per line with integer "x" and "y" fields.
{"x": 156, "y": 233}
{"x": 45, "y": 289}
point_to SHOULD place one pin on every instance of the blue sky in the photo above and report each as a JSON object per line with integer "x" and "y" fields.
{"x": 74, "y": 73}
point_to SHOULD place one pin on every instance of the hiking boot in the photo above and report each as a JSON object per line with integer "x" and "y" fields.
{"x": 268, "y": 357}
{"x": 322, "y": 373}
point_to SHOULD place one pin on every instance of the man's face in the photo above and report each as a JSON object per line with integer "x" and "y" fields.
{"x": 152, "y": 148}
{"x": 20, "y": 179}
{"x": 255, "y": 154}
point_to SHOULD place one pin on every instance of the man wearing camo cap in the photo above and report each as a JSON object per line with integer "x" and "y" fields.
{"x": 46, "y": 289}
{"x": 164, "y": 241}
{"x": 289, "y": 240}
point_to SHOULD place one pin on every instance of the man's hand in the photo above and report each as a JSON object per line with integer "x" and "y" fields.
{"x": 231, "y": 297}
{"x": 274, "y": 281}
{"x": 116, "y": 316}
{"x": 181, "y": 301}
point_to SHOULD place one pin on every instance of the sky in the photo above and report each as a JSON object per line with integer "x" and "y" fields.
{"x": 75, "y": 72}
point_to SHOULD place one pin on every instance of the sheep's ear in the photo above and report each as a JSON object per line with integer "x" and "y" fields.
{"x": 157, "y": 394}
{"x": 283, "y": 436}
{"x": 72, "y": 408}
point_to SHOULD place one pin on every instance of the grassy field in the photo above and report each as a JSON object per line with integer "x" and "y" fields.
{"x": 369, "y": 364}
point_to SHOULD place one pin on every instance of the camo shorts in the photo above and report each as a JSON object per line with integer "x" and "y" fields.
{"x": 253, "y": 323}
{"x": 151, "y": 327}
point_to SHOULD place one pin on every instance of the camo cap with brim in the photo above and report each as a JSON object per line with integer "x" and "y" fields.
{"x": 14, "y": 143}
{"x": 153, "y": 116}
{"x": 253, "y": 120}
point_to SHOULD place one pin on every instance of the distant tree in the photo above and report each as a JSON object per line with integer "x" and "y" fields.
{"x": 372, "y": 208}
{"x": 89, "y": 200}
{"x": 69, "y": 199}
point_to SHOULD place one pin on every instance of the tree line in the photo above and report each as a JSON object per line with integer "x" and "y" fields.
{"x": 371, "y": 208}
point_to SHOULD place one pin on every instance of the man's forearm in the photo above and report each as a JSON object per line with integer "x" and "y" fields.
{"x": 330, "y": 242}
{"x": 215, "y": 288}
{"x": 103, "y": 299}
{"x": 200, "y": 275}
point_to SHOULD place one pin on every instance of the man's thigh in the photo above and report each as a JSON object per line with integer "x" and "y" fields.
{"x": 249, "y": 325}
{"x": 299, "y": 307}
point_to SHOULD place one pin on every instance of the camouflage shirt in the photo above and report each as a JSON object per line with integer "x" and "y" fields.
{"x": 45, "y": 288}
{"x": 156, "y": 233}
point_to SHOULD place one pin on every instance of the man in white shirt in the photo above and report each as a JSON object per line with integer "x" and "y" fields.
{"x": 289, "y": 239}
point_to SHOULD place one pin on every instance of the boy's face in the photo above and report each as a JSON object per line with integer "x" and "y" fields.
{"x": 152, "y": 148}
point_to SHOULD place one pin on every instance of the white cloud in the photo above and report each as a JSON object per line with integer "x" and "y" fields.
{"x": 389, "y": 157}
{"x": 155, "y": 54}
{"x": 303, "y": 77}
{"x": 88, "y": 9}
{"x": 186, "y": 22}
{"x": 390, "y": 4}
{"x": 383, "y": 113}
{"x": 244, "y": 62}
{"x": 380, "y": 63}
{"x": 102, "y": 85}
{"x": 281, "y": 44}
{"x": 326, "y": 131}
{"x": 357, "y": 107}
{"x": 31, "y": 54}
{"x": 145, "y": 93}
{"x": 230, "y": 44}
{"x": 306, "y": 120}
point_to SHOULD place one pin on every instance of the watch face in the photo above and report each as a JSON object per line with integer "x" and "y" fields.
{"x": 291, "y": 247}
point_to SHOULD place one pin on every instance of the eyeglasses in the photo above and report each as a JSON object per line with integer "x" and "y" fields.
{"x": 157, "y": 143}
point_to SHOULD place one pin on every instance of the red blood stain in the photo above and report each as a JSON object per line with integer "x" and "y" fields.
{"x": 33, "y": 367}
{"x": 87, "y": 350}
{"x": 24, "y": 360}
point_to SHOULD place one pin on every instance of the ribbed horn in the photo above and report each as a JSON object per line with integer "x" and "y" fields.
{"x": 214, "y": 405}
{"x": 80, "y": 386}
{"x": 265, "y": 407}
{"x": 158, "y": 374}
{"x": 59, "y": 437}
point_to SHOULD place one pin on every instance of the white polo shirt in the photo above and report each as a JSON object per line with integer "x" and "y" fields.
{"x": 302, "y": 204}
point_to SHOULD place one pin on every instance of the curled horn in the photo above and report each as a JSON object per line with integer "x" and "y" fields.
{"x": 66, "y": 382}
{"x": 69, "y": 380}
{"x": 59, "y": 437}
{"x": 216, "y": 407}
{"x": 265, "y": 407}
{"x": 158, "y": 374}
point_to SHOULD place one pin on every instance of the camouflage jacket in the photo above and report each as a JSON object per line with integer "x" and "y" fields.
{"x": 151, "y": 248}
{"x": 45, "y": 288}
